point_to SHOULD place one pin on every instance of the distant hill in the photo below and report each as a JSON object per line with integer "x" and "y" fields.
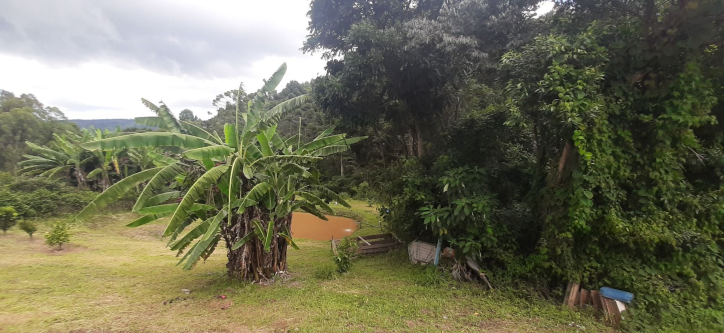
{"x": 107, "y": 124}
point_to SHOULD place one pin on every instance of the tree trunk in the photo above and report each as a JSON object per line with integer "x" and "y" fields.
{"x": 79, "y": 177}
{"x": 562, "y": 161}
{"x": 420, "y": 138}
{"x": 251, "y": 262}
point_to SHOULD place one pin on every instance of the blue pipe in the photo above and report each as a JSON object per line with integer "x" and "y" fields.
{"x": 616, "y": 294}
{"x": 437, "y": 250}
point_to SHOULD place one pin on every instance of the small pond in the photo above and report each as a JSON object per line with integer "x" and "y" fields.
{"x": 308, "y": 226}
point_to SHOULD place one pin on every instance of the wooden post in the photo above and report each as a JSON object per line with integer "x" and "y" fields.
{"x": 585, "y": 298}
{"x": 571, "y": 297}
{"x": 575, "y": 290}
{"x": 596, "y": 300}
{"x": 567, "y": 294}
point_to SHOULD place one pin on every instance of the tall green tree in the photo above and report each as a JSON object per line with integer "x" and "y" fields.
{"x": 405, "y": 63}
{"x": 22, "y": 119}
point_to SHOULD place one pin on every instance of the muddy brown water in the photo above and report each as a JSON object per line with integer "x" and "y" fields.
{"x": 308, "y": 226}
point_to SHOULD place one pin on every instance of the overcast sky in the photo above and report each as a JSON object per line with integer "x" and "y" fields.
{"x": 95, "y": 59}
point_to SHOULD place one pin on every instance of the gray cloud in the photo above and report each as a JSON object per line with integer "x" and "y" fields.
{"x": 163, "y": 37}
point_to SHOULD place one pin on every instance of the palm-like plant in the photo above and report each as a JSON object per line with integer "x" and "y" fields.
{"x": 241, "y": 189}
{"x": 140, "y": 158}
{"x": 63, "y": 156}
{"x": 107, "y": 158}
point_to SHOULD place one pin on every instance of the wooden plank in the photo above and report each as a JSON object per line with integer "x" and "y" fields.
{"x": 567, "y": 294}
{"x": 378, "y": 241}
{"x": 388, "y": 235}
{"x": 604, "y": 307}
{"x": 596, "y": 300}
{"x": 384, "y": 241}
{"x": 573, "y": 298}
{"x": 334, "y": 246}
{"x": 614, "y": 316}
{"x": 377, "y": 246}
{"x": 362, "y": 239}
{"x": 376, "y": 250}
{"x": 585, "y": 298}
{"x": 617, "y": 306}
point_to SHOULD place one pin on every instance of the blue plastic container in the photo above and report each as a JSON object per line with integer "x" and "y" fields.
{"x": 619, "y": 295}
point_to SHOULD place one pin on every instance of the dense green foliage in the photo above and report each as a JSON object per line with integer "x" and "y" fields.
{"x": 583, "y": 145}
{"x": 37, "y": 197}
{"x": 24, "y": 119}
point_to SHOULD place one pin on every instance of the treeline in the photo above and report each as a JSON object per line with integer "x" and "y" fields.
{"x": 586, "y": 144}
{"x": 22, "y": 119}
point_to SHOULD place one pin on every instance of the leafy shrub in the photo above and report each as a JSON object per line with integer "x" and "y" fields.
{"x": 58, "y": 235}
{"x": 346, "y": 249}
{"x": 29, "y": 227}
{"x": 8, "y": 218}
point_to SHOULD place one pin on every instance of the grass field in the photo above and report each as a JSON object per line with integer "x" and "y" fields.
{"x": 117, "y": 279}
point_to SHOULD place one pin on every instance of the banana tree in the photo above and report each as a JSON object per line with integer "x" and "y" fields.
{"x": 139, "y": 158}
{"x": 240, "y": 189}
{"x": 107, "y": 159}
{"x": 65, "y": 156}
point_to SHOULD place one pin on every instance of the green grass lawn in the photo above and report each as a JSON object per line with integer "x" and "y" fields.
{"x": 117, "y": 279}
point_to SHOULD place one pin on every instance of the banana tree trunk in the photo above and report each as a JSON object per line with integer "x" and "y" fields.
{"x": 106, "y": 182}
{"x": 251, "y": 262}
{"x": 80, "y": 178}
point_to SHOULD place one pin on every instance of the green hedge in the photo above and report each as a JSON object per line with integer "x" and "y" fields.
{"x": 38, "y": 197}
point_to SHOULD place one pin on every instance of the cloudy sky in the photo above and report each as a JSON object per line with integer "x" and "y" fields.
{"x": 96, "y": 58}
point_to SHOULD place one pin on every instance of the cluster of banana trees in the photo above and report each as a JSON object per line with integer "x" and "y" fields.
{"x": 65, "y": 157}
{"x": 240, "y": 188}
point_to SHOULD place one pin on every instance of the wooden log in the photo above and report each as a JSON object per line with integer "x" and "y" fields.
{"x": 573, "y": 298}
{"x": 597, "y": 305}
{"x": 585, "y": 298}
{"x": 614, "y": 314}
{"x": 567, "y": 294}
{"x": 604, "y": 309}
